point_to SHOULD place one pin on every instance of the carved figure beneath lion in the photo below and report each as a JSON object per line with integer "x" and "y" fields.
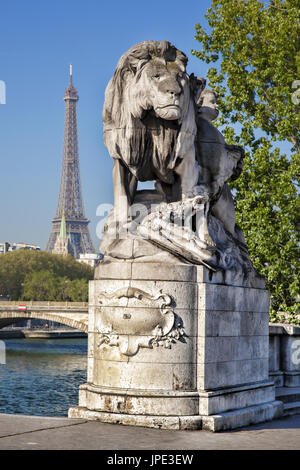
{"x": 218, "y": 161}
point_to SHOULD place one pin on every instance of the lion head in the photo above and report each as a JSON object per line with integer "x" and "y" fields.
{"x": 146, "y": 103}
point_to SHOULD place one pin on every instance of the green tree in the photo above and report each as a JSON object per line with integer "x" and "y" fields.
{"x": 19, "y": 271}
{"x": 44, "y": 285}
{"x": 253, "y": 47}
{"x": 78, "y": 290}
{"x": 40, "y": 285}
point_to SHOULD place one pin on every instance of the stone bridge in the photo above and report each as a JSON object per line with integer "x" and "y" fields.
{"x": 73, "y": 314}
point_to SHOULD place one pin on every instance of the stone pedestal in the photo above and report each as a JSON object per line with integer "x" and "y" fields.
{"x": 176, "y": 347}
{"x": 284, "y": 362}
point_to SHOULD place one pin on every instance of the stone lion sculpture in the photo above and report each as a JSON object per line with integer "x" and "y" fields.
{"x": 158, "y": 126}
{"x": 149, "y": 123}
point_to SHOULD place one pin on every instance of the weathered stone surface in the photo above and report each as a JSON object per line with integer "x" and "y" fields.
{"x": 159, "y": 271}
{"x": 236, "y": 299}
{"x": 179, "y": 352}
{"x": 277, "y": 377}
{"x": 232, "y": 348}
{"x": 226, "y": 374}
{"x": 147, "y": 376}
{"x": 127, "y": 401}
{"x": 90, "y": 369}
{"x": 285, "y": 355}
{"x": 274, "y": 353}
{"x": 243, "y": 417}
{"x": 231, "y": 323}
{"x": 213, "y": 402}
{"x": 159, "y": 422}
{"x": 188, "y": 318}
{"x": 117, "y": 270}
{"x": 146, "y": 271}
{"x": 183, "y": 294}
{"x": 292, "y": 379}
{"x": 216, "y": 361}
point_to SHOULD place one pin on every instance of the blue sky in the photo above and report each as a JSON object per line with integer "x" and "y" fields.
{"x": 38, "y": 40}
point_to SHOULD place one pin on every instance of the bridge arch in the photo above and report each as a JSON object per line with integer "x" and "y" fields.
{"x": 75, "y": 316}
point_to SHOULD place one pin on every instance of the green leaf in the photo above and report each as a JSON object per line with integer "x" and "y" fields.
{"x": 253, "y": 47}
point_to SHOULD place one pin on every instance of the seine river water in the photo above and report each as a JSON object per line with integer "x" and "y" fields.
{"x": 42, "y": 376}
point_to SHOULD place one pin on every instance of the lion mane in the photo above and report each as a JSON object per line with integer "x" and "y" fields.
{"x": 150, "y": 146}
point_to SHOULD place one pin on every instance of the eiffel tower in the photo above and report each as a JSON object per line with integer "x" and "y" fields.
{"x": 70, "y": 207}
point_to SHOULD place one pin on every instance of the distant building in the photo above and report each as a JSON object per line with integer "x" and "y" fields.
{"x": 89, "y": 258}
{"x": 4, "y": 247}
{"x": 70, "y": 200}
{"x": 24, "y": 246}
{"x": 61, "y": 245}
{"x": 7, "y": 247}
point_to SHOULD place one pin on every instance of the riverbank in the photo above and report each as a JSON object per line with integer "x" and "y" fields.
{"x": 41, "y": 334}
{"x": 19, "y": 432}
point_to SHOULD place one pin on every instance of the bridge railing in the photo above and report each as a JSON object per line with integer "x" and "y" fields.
{"x": 45, "y": 303}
